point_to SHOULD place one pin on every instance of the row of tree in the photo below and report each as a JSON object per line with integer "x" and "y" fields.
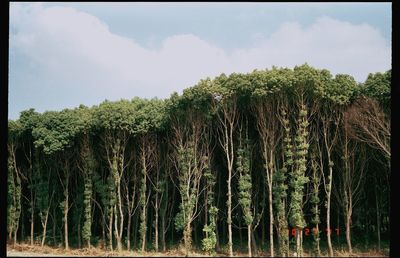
{"x": 275, "y": 153}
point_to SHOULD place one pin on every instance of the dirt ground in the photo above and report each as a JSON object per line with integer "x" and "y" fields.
{"x": 25, "y": 250}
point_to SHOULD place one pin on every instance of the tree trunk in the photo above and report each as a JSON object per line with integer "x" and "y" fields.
{"x": 121, "y": 216}
{"x": 54, "y": 226}
{"x": 187, "y": 237}
{"x": 318, "y": 248}
{"x": 15, "y": 234}
{"x": 263, "y": 230}
{"x": 164, "y": 246}
{"x": 253, "y": 243}
{"x": 217, "y": 247}
{"x": 79, "y": 233}
{"x": 144, "y": 197}
{"x": 66, "y": 217}
{"x": 378, "y": 218}
{"x": 328, "y": 211}
{"x": 144, "y": 234}
{"x": 32, "y": 222}
{"x": 103, "y": 232}
{"x": 110, "y": 244}
{"x": 230, "y": 242}
{"x": 156, "y": 224}
{"x": 128, "y": 233}
{"x": 271, "y": 219}
{"x": 249, "y": 239}
{"x": 22, "y": 225}
{"x": 299, "y": 241}
{"x": 348, "y": 237}
{"x": 10, "y": 236}
{"x": 45, "y": 227}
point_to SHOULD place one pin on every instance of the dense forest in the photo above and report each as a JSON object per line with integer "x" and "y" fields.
{"x": 280, "y": 161}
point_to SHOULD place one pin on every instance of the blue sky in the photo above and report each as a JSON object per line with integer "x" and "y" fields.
{"x": 66, "y": 54}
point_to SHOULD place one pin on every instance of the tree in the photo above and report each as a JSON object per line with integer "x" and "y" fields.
{"x": 191, "y": 147}
{"x": 298, "y": 179}
{"x": 225, "y": 99}
{"x": 207, "y": 160}
{"x": 245, "y": 185}
{"x": 14, "y": 181}
{"x": 54, "y": 134}
{"x": 210, "y": 240}
{"x": 29, "y": 119}
{"x": 369, "y": 124}
{"x": 116, "y": 120}
{"x": 351, "y": 180}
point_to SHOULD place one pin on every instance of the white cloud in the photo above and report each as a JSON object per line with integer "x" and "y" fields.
{"x": 78, "y": 50}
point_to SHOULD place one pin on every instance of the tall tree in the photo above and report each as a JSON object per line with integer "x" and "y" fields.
{"x": 190, "y": 143}
{"x": 245, "y": 184}
{"x": 14, "y": 181}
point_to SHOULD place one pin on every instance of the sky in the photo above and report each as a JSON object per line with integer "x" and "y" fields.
{"x": 62, "y": 55}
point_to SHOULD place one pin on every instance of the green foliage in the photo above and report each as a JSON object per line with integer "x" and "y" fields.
{"x": 137, "y": 116}
{"x": 280, "y": 187}
{"x": 298, "y": 179}
{"x": 377, "y": 86}
{"x": 245, "y": 185}
{"x": 89, "y": 167}
{"x": 210, "y": 240}
{"x": 142, "y": 201}
{"x": 93, "y": 147}
{"x": 185, "y": 158}
{"x": 56, "y": 131}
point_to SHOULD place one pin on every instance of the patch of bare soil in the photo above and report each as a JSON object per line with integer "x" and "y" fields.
{"x": 26, "y": 250}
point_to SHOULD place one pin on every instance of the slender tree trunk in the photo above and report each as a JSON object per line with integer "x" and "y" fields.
{"x": 263, "y": 230}
{"x": 144, "y": 197}
{"x": 217, "y": 247}
{"x": 54, "y": 226}
{"x": 328, "y": 211}
{"x": 348, "y": 237}
{"x": 271, "y": 219}
{"x": 229, "y": 151}
{"x": 299, "y": 242}
{"x": 149, "y": 236}
{"x": 318, "y": 248}
{"x": 338, "y": 224}
{"x": 253, "y": 243}
{"x": 187, "y": 237}
{"x": 163, "y": 244}
{"x": 121, "y": 216}
{"x": 143, "y": 234}
{"x": 15, "y": 234}
{"x": 249, "y": 239}
{"x": 103, "y": 232}
{"x": 230, "y": 242}
{"x": 110, "y": 235}
{"x": 79, "y": 233}
{"x": 22, "y": 225}
{"x": 66, "y": 207}
{"x": 135, "y": 225}
{"x": 10, "y": 236}
{"x": 32, "y": 221}
{"x": 128, "y": 233}
{"x": 378, "y": 218}
{"x": 45, "y": 228}
{"x": 156, "y": 224}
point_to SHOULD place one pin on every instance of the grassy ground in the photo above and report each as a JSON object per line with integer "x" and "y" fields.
{"x": 36, "y": 250}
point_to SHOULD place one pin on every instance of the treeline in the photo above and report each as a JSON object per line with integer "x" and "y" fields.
{"x": 262, "y": 161}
